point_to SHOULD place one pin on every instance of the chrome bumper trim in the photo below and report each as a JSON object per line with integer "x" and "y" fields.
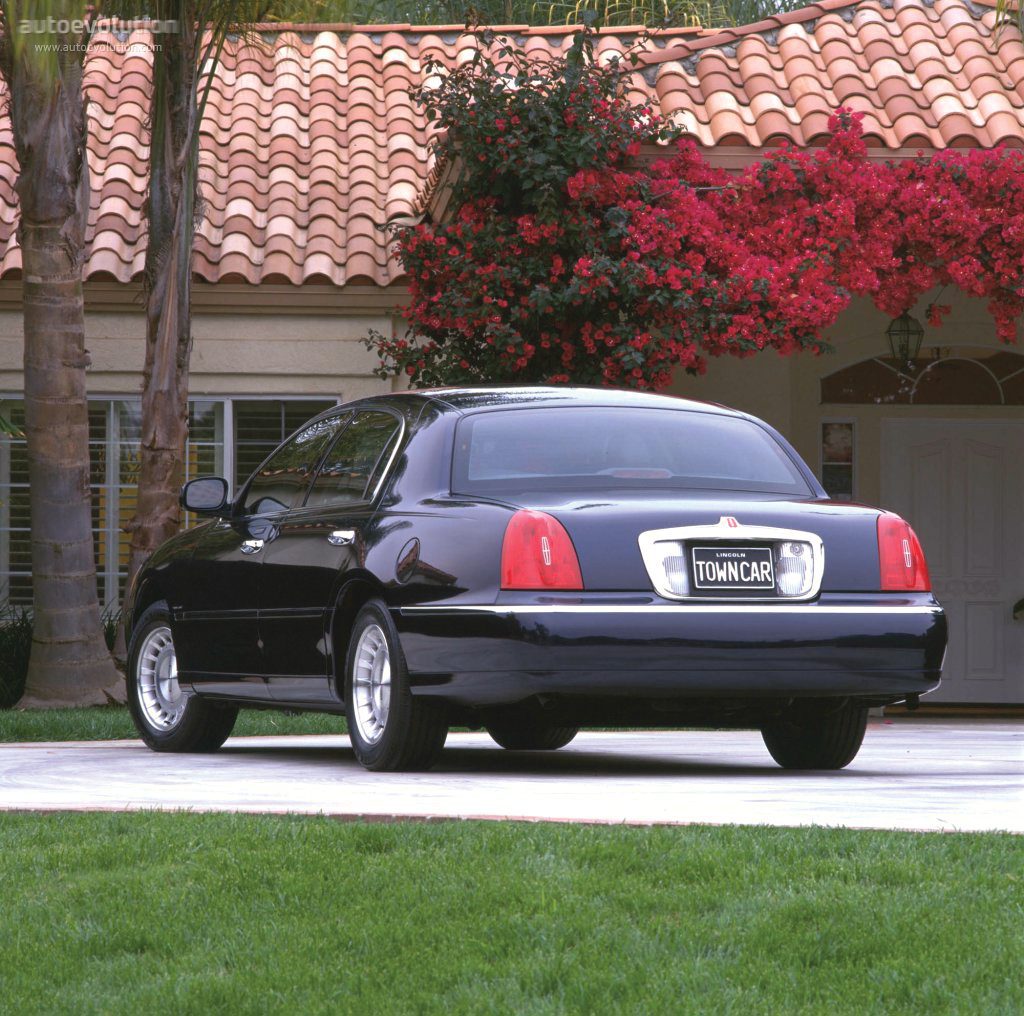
{"x": 682, "y": 609}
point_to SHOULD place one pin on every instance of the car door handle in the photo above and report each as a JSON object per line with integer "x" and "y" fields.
{"x": 342, "y": 537}
{"x": 252, "y": 546}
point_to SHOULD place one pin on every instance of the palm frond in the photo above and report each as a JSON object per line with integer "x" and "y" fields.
{"x": 614, "y": 13}
{"x": 611, "y": 13}
{"x": 1009, "y": 12}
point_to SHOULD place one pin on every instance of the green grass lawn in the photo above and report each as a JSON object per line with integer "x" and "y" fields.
{"x": 132, "y": 913}
{"x": 113, "y": 722}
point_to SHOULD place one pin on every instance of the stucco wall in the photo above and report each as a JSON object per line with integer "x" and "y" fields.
{"x": 761, "y": 385}
{"x": 300, "y": 346}
{"x": 785, "y": 391}
{"x": 260, "y": 353}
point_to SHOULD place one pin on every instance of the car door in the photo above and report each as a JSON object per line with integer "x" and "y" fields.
{"x": 220, "y": 650}
{"x": 313, "y": 550}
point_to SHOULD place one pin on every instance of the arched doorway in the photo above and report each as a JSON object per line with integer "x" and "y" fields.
{"x": 959, "y": 478}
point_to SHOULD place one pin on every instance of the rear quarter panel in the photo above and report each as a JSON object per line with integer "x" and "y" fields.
{"x": 441, "y": 550}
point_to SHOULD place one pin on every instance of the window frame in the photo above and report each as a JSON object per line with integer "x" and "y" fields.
{"x": 851, "y": 422}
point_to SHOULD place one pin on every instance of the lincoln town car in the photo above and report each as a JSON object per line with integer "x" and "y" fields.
{"x": 531, "y": 561}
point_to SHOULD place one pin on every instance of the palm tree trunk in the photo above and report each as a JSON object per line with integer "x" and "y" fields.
{"x": 170, "y": 212}
{"x": 179, "y": 101}
{"x": 69, "y": 662}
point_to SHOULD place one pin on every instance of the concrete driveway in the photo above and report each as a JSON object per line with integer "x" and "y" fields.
{"x": 927, "y": 775}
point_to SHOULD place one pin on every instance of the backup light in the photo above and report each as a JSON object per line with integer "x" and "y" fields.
{"x": 671, "y": 559}
{"x": 794, "y": 569}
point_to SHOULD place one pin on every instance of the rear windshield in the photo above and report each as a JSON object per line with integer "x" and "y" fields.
{"x": 587, "y": 448}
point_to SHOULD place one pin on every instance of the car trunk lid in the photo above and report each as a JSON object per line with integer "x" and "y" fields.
{"x": 606, "y": 531}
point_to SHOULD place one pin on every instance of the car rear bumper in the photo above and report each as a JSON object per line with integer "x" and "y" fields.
{"x": 497, "y": 654}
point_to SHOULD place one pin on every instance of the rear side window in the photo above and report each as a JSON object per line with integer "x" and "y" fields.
{"x": 355, "y": 461}
{"x": 588, "y": 448}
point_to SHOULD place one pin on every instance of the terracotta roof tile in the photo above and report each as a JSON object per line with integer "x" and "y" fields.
{"x": 311, "y": 140}
{"x": 919, "y": 71}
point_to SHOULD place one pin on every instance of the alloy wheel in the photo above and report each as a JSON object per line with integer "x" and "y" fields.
{"x": 162, "y": 700}
{"x": 371, "y": 684}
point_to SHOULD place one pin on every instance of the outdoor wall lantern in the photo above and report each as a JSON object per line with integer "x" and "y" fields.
{"x": 904, "y": 334}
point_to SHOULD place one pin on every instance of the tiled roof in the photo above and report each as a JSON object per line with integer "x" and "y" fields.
{"x": 311, "y": 141}
{"x": 926, "y": 73}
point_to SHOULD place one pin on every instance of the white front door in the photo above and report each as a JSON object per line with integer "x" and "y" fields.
{"x": 960, "y": 484}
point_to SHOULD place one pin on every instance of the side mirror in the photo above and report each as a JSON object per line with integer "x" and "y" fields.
{"x": 206, "y": 495}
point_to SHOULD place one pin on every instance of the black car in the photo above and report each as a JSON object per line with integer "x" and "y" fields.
{"x": 532, "y": 560}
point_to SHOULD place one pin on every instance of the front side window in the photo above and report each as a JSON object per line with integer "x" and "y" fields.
{"x": 618, "y": 448}
{"x": 260, "y": 425}
{"x": 282, "y": 481}
{"x": 355, "y": 461}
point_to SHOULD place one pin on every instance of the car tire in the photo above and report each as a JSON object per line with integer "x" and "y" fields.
{"x": 167, "y": 718}
{"x": 390, "y": 728}
{"x": 530, "y": 733}
{"x": 817, "y": 739}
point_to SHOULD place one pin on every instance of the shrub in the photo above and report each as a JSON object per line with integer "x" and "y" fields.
{"x": 16, "y": 647}
{"x": 566, "y": 261}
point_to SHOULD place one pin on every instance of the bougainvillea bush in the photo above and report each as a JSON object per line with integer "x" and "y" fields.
{"x": 566, "y": 260}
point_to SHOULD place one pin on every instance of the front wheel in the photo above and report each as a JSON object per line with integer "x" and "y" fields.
{"x": 166, "y": 717}
{"x": 817, "y": 738}
{"x": 390, "y": 728}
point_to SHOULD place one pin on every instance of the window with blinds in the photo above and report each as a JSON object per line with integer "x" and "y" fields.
{"x": 114, "y": 433}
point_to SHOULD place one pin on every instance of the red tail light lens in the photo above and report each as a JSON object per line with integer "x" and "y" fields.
{"x": 900, "y": 557}
{"x": 538, "y": 554}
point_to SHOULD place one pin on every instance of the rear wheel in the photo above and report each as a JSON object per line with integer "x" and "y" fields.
{"x": 166, "y": 717}
{"x": 389, "y": 727}
{"x": 817, "y": 738}
{"x": 530, "y": 733}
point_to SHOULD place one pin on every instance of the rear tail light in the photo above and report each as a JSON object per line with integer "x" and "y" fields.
{"x": 538, "y": 554}
{"x": 900, "y": 557}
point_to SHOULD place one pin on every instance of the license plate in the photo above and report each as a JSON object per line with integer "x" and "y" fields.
{"x": 733, "y": 568}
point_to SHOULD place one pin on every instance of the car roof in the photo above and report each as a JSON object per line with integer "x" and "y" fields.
{"x": 468, "y": 398}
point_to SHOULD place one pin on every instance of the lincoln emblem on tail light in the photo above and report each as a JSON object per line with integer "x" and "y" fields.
{"x": 545, "y": 550}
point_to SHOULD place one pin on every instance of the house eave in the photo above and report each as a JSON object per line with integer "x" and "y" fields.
{"x": 437, "y": 202}
{"x": 111, "y": 296}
